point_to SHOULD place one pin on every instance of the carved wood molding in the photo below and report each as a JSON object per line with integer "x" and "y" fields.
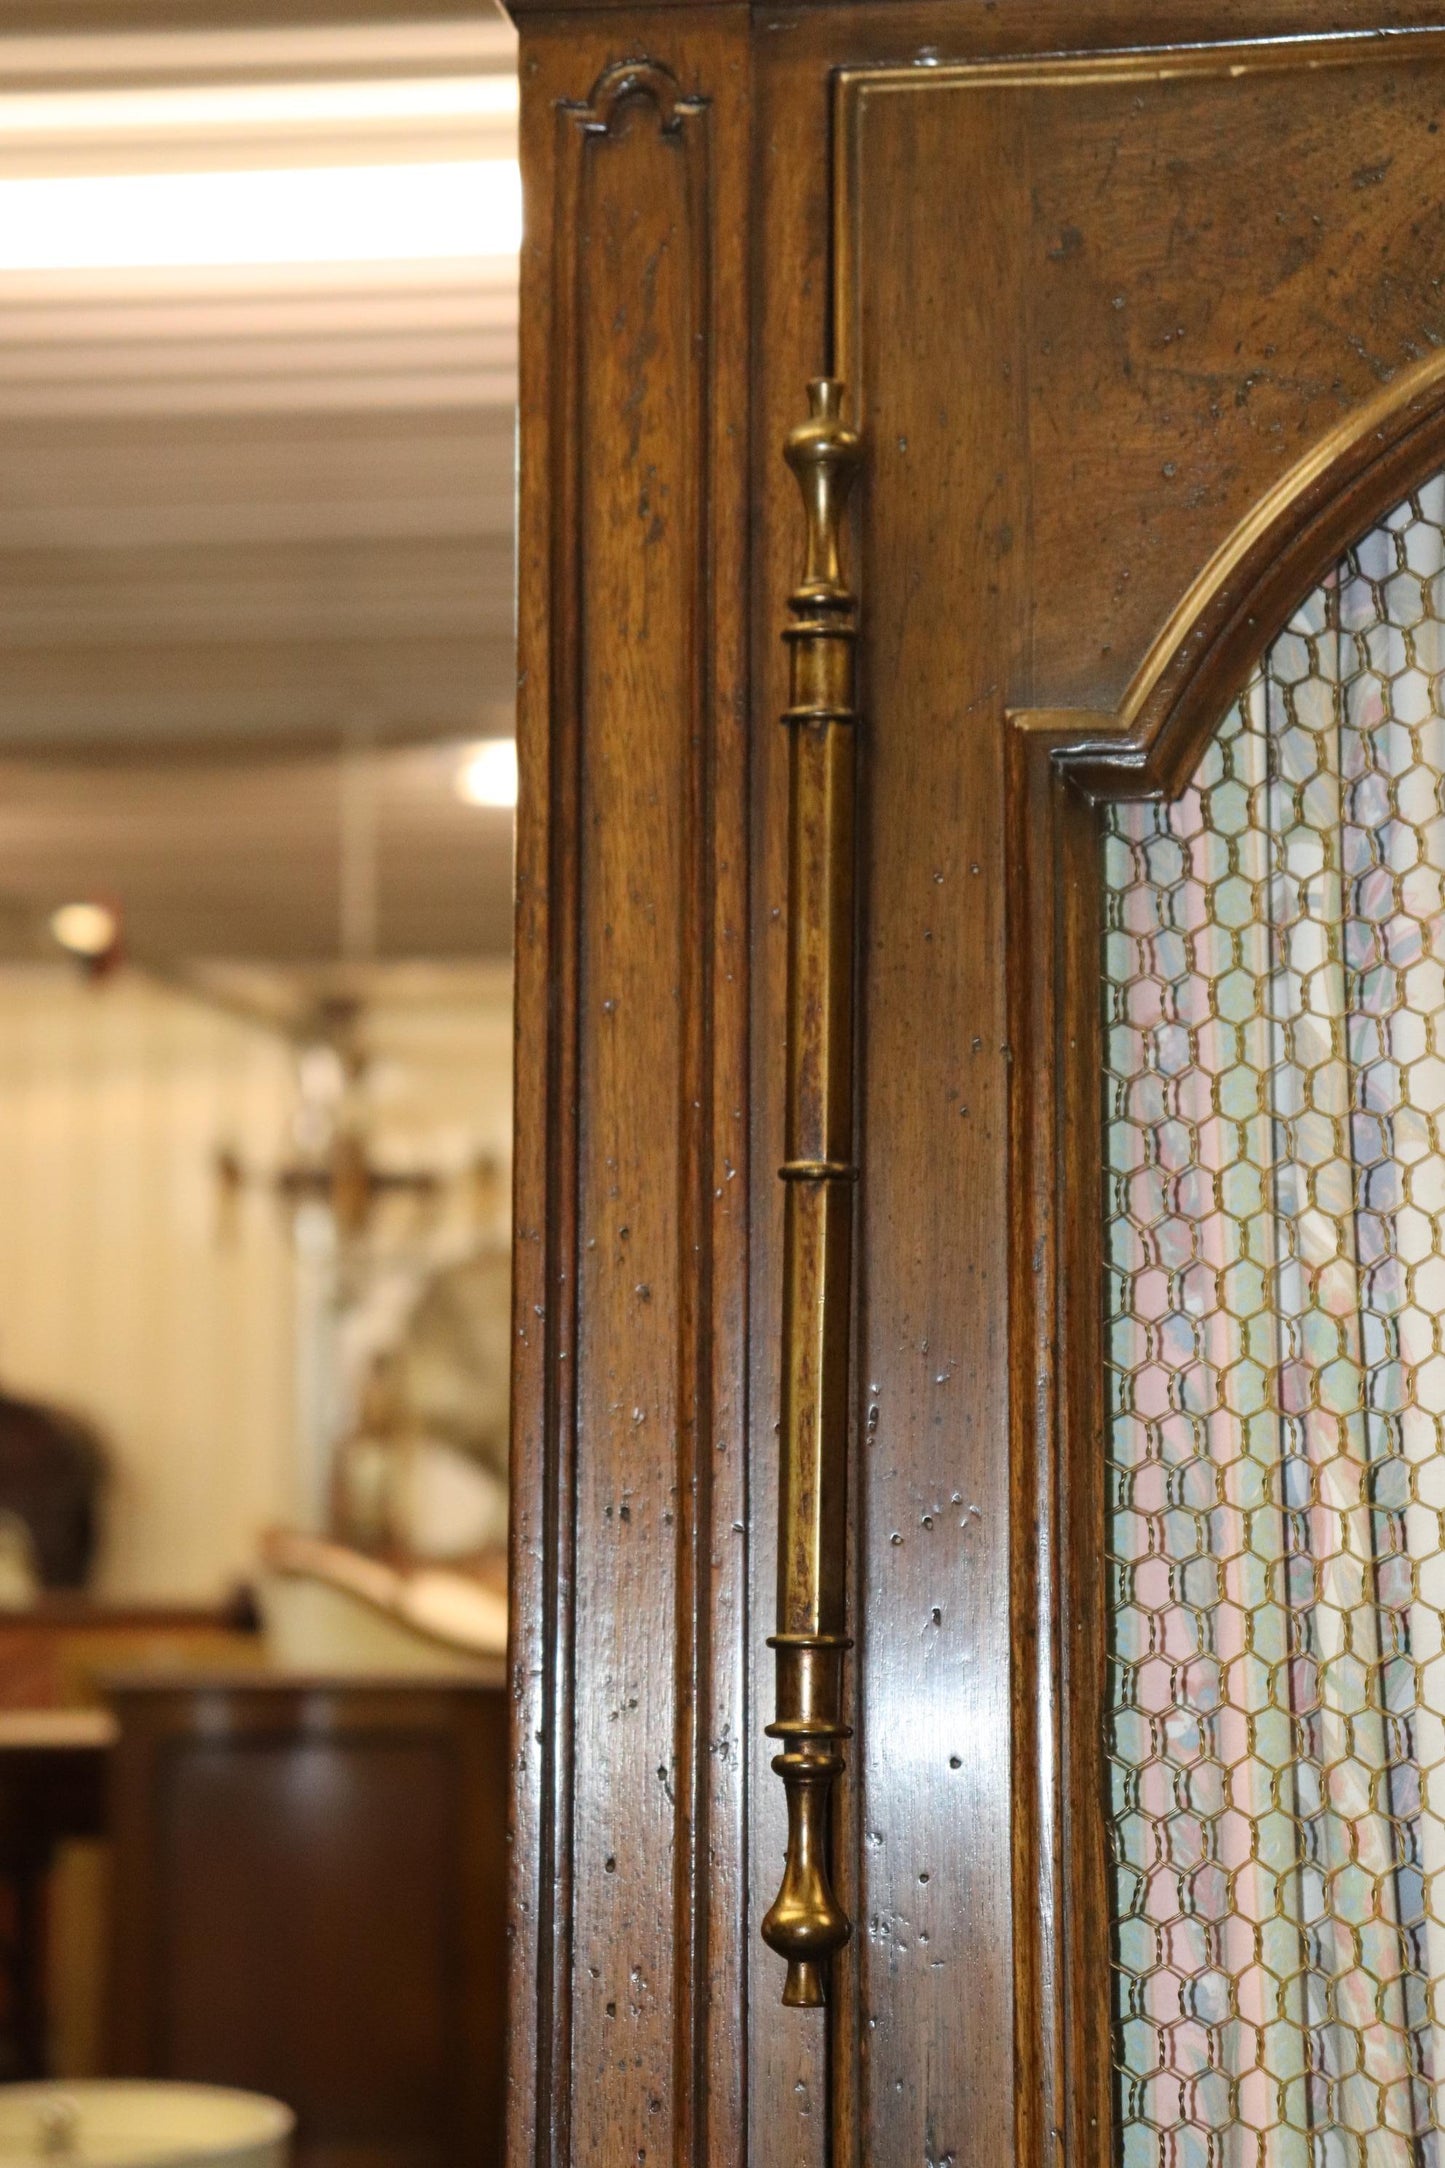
{"x": 633, "y": 111}
{"x": 1295, "y": 535}
{"x": 625, "y": 79}
{"x": 1061, "y": 765}
{"x": 631, "y": 1111}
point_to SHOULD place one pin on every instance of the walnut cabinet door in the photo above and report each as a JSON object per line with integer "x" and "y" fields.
{"x": 1061, "y": 906}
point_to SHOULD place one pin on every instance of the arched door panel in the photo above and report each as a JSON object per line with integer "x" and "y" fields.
{"x": 1140, "y": 329}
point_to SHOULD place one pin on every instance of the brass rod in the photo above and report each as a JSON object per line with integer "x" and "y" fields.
{"x": 806, "y": 1924}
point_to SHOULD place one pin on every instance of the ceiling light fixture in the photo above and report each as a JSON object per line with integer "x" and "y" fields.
{"x": 312, "y": 214}
{"x": 85, "y": 929}
{"x": 488, "y": 775}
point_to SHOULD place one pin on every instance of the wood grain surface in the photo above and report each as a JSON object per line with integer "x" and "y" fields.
{"x": 1139, "y": 312}
{"x": 629, "y": 1510}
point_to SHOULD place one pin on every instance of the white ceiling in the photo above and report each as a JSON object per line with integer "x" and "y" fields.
{"x": 251, "y": 514}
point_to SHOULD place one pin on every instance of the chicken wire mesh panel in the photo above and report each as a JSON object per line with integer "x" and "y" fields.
{"x": 1274, "y": 968}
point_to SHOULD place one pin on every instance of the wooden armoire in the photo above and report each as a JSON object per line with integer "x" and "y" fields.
{"x": 932, "y": 411}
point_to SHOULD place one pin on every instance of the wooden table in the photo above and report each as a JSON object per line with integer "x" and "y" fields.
{"x": 53, "y": 1765}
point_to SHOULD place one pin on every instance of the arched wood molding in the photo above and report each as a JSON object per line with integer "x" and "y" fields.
{"x": 1294, "y": 537}
{"x": 1061, "y": 763}
{"x": 632, "y": 79}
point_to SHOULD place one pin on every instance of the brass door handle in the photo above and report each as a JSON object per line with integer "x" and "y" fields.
{"x": 806, "y": 1924}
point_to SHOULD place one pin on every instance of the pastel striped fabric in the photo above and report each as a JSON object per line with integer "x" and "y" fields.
{"x": 1274, "y": 984}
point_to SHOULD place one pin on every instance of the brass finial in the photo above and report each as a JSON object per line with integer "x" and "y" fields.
{"x": 824, "y": 454}
{"x": 805, "y": 1922}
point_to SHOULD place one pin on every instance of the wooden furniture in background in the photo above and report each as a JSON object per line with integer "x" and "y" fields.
{"x": 309, "y": 1900}
{"x": 52, "y": 1789}
{"x": 54, "y": 1744}
{"x": 54, "y": 1654}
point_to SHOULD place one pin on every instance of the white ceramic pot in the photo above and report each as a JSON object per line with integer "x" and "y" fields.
{"x": 138, "y": 2123}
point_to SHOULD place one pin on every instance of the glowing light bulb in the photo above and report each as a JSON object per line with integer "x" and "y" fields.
{"x": 86, "y": 929}
{"x": 488, "y": 775}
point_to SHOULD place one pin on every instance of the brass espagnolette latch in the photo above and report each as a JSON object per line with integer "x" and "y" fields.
{"x": 806, "y": 1924}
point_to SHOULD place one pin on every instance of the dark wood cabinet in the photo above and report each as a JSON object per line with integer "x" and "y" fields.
{"x": 308, "y": 1899}
{"x": 1140, "y": 319}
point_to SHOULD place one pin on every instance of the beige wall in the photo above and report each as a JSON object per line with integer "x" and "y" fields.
{"x": 132, "y": 1294}
{"x": 122, "y": 1291}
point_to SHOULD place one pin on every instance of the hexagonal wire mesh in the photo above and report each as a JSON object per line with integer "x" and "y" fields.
{"x": 1275, "y": 1032}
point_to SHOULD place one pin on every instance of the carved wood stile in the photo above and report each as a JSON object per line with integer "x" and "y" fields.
{"x": 806, "y": 1924}
{"x": 629, "y": 1292}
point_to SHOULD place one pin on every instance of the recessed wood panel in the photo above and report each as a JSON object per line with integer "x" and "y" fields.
{"x": 1091, "y": 311}
{"x": 1214, "y": 257}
